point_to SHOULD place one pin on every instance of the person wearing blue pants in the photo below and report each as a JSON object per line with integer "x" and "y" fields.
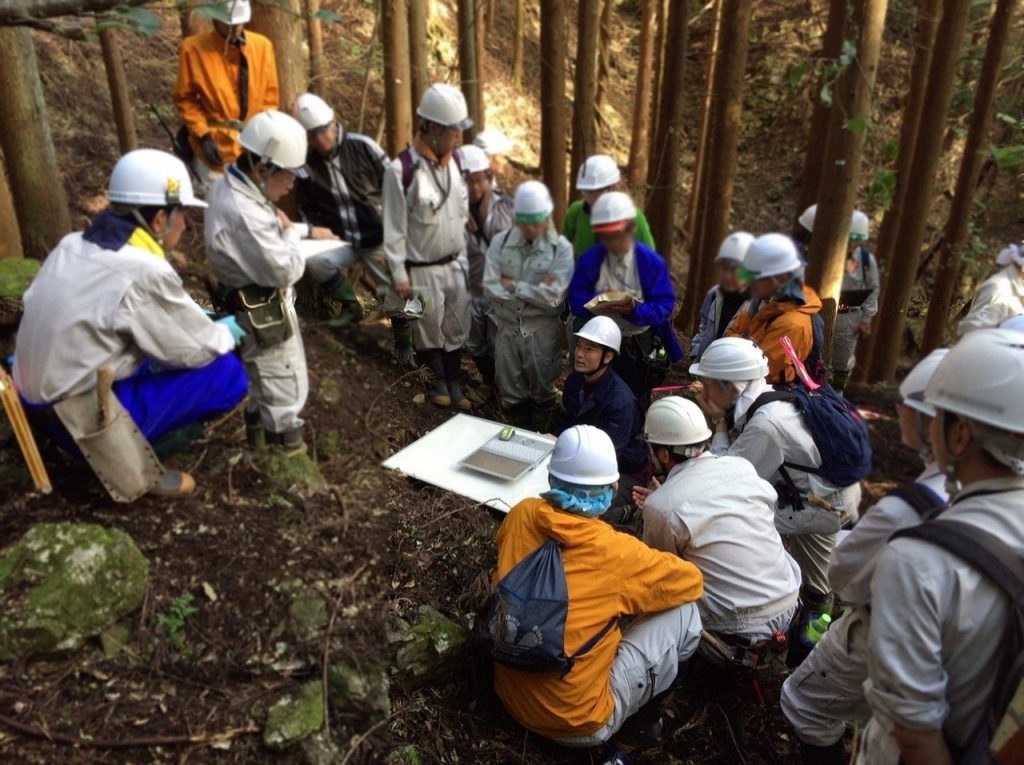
{"x": 107, "y": 300}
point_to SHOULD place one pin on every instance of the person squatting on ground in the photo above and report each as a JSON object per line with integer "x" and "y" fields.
{"x": 858, "y": 302}
{"x": 641, "y": 301}
{"x": 426, "y": 209}
{"x": 724, "y": 299}
{"x": 809, "y": 511}
{"x": 253, "y": 253}
{"x": 1001, "y": 296}
{"x": 490, "y": 213}
{"x": 826, "y": 691}
{"x": 780, "y": 305}
{"x": 608, "y": 574}
{"x": 225, "y": 76}
{"x": 936, "y": 657}
{"x": 527, "y": 272}
{"x": 107, "y": 298}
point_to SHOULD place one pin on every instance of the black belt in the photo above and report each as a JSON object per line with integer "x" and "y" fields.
{"x": 442, "y": 262}
{"x": 846, "y": 309}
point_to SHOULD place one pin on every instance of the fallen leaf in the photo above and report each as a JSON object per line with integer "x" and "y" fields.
{"x": 209, "y": 592}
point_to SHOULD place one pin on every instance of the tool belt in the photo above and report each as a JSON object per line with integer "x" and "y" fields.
{"x": 261, "y": 312}
{"x": 739, "y": 651}
{"x": 442, "y": 262}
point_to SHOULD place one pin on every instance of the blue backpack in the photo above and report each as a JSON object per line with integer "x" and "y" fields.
{"x": 527, "y": 613}
{"x": 837, "y": 428}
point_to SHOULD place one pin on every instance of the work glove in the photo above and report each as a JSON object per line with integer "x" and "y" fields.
{"x": 210, "y": 151}
{"x": 236, "y": 331}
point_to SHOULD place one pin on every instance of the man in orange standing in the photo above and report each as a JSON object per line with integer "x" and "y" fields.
{"x": 225, "y": 76}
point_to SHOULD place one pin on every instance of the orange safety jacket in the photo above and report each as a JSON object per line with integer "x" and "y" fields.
{"x": 773, "y": 321}
{"x": 607, "y": 574}
{"x": 206, "y": 92}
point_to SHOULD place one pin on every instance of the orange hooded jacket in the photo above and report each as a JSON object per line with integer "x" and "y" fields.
{"x": 206, "y": 92}
{"x": 773, "y": 321}
{"x": 608, "y": 574}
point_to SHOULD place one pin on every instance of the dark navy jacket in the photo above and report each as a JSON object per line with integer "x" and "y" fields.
{"x": 655, "y": 282}
{"x": 612, "y": 407}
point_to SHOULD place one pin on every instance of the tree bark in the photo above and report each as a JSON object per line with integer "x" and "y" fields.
{"x": 517, "y": 50}
{"x": 192, "y": 23}
{"x": 315, "y": 36}
{"x": 14, "y": 12}
{"x": 975, "y": 149}
{"x": 604, "y": 52}
{"x": 480, "y": 36}
{"x": 584, "y": 115}
{"x": 818, "y": 133}
{"x": 931, "y": 131}
{"x": 281, "y": 24}
{"x": 10, "y": 232}
{"x": 552, "y": 102}
{"x": 418, "y": 43}
{"x": 842, "y": 159}
{"x": 36, "y": 185}
{"x": 467, "y": 61}
{"x": 641, "y": 136}
{"x": 661, "y": 209}
{"x": 727, "y": 108}
{"x": 397, "y": 92}
{"x": 121, "y": 103}
{"x": 924, "y": 39}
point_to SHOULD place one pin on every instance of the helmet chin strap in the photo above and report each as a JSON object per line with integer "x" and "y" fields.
{"x": 925, "y": 452}
{"x": 171, "y": 218}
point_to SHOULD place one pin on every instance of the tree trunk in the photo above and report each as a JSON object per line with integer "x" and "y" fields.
{"x": 975, "y": 149}
{"x": 418, "y": 44}
{"x": 281, "y": 24}
{"x": 480, "y": 32}
{"x": 552, "y": 102}
{"x": 10, "y": 233}
{"x": 467, "y": 61}
{"x": 930, "y": 134}
{"x": 36, "y": 185}
{"x": 604, "y": 52}
{"x": 517, "y": 50}
{"x": 121, "y": 103}
{"x": 192, "y": 23}
{"x": 641, "y": 136}
{"x": 315, "y": 36}
{"x": 661, "y": 209}
{"x": 584, "y": 116}
{"x": 924, "y": 39}
{"x": 818, "y": 133}
{"x": 397, "y": 92}
{"x": 719, "y": 169}
{"x": 842, "y": 157}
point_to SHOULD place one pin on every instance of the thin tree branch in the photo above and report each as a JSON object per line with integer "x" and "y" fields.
{"x": 21, "y": 12}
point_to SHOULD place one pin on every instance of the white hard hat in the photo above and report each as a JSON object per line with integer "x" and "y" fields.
{"x": 807, "y": 217}
{"x": 612, "y": 212}
{"x": 772, "y": 255}
{"x": 584, "y": 455}
{"x": 675, "y": 421}
{"x": 532, "y": 203}
{"x": 733, "y": 359}
{"x": 278, "y": 139}
{"x": 604, "y": 331}
{"x": 473, "y": 159}
{"x": 445, "y": 105}
{"x": 1015, "y": 323}
{"x": 493, "y": 141}
{"x": 859, "y": 227}
{"x": 598, "y": 172}
{"x": 312, "y": 111}
{"x": 149, "y": 177}
{"x": 735, "y": 247}
{"x": 238, "y": 11}
{"x": 980, "y": 379}
{"x": 913, "y": 386}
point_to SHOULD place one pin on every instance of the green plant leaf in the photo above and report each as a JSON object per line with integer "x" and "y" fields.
{"x": 849, "y": 53}
{"x": 143, "y": 20}
{"x": 890, "y": 150}
{"x": 327, "y": 15}
{"x": 1008, "y": 156}
{"x": 1008, "y": 119}
{"x": 826, "y": 94}
{"x": 856, "y": 124}
{"x": 795, "y": 75}
{"x": 214, "y": 12}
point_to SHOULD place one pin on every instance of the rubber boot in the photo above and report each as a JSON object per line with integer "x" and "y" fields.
{"x": 485, "y": 366}
{"x": 834, "y": 754}
{"x": 839, "y": 380}
{"x": 437, "y": 388}
{"x": 351, "y": 311}
{"x": 255, "y": 435}
{"x": 293, "y": 441}
{"x": 453, "y": 377}
{"x": 401, "y": 332}
{"x": 540, "y": 418}
{"x": 174, "y": 484}
{"x": 812, "y": 605}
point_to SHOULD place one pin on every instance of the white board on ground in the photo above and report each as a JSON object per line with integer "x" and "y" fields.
{"x": 435, "y": 458}
{"x": 309, "y": 248}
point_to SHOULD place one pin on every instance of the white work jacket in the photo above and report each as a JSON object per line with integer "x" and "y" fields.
{"x": 1000, "y": 297}
{"x": 541, "y": 269}
{"x": 90, "y": 308}
{"x": 719, "y": 515}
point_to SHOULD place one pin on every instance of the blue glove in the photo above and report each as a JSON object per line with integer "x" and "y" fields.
{"x": 236, "y": 332}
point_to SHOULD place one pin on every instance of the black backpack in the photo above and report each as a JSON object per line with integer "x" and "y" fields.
{"x": 925, "y": 502}
{"x": 999, "y": 737}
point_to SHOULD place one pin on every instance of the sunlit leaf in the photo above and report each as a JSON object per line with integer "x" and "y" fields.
{"x": 327, "y": 15}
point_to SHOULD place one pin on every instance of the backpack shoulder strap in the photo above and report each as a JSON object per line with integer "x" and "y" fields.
{"x": 925, "y": 502}
{"x": 571, "y": 660}
{"x": 408, "y": 168}
{"x": 769, "y": 397}
{"x": 865, "y": 264}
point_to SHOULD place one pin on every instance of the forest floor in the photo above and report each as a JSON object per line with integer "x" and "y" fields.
{"x": 376, "y": 545}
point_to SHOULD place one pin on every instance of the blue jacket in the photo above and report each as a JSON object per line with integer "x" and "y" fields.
{"x": 655, "y": 282}
{"x": 612, "y": 407}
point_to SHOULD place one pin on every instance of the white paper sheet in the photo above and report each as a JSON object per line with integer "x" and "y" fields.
{"x": 309, "y": 248}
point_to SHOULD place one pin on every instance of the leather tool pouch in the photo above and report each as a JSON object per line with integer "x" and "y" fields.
{"x": 263, "y": 314}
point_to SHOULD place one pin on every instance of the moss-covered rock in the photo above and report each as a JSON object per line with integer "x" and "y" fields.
{"x": 407, "y": 755}
{"x": 292, "y": 472}
{"x": 64, "y": 582}
{"x": 364, "y": 693}
{"x": 308, "y": 612}
{"x": 295, "y": 718}
{"x": 431, "y": 647}
{"x": 15, "y": 276}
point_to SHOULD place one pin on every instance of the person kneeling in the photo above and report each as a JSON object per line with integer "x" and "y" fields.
{"x": 602, "y": 676}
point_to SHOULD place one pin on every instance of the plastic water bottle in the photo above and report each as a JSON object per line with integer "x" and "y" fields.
{"x": 816, "y": 628}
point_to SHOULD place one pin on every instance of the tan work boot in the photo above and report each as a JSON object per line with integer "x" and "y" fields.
{"x": 174, "y": 484}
